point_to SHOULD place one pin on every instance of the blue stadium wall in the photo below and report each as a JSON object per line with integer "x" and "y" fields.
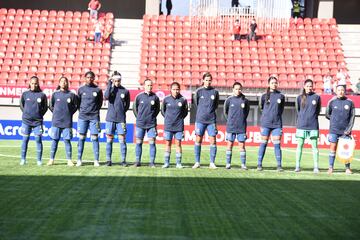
{"x": 134, "y": 9}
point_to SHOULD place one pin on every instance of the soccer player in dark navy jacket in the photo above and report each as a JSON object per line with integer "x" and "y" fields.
{"x": 146, "y": 107}
{"x": 33, "y": 104}
{"x": 90, "y": 102}
{"x": 119, "y": 102}
{"x": 206, "y": 99}
{"x": 341, "y": 113}
{"x": 308, "y": 107}
{"x": 272, "y": 106}
{"x": 236, "y": 111}
{"x": 63, "y": 105}
{"x": 174, "y": 109}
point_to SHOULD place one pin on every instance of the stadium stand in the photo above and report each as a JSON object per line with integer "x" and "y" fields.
{"x": 50, "y": 44}
{"x": 175, "y": 49}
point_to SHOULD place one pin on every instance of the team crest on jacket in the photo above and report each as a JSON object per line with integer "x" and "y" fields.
{"x": 346, "y": 107}
{"x": 279, "y": 101}
{"x": 212, "y": 97}
{"x": 38, "y": 100}
{"x": 313, "y": 102}
{"x": 179, "y": 104}
{"x": 58, "y": 99}
{"x": 242, "y": 105}
{"x": 122, "y": 95}
{"x": 152, "y": 102}
{"x": 68, "y": 100}
{"x": 94, "y": 94}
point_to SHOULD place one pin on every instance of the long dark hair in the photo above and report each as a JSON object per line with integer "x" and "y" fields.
{"x": 67, "y": 83}
{"x": 37, "y": 89}
{"x": 267, "y": 97}
{"x": 303, "y": 94}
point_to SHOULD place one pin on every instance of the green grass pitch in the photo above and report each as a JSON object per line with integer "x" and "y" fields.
{"x": 61, "y": 202}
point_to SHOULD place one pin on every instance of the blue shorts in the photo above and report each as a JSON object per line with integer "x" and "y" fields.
{"x": 333, "y": 137}
{"x": 55, "y": 133}
{"x": 168, "y": 135}
{"x": 200, "y": 129}
{"x": 275, "y": 132}
{"x": 115, "y": 127}
{"x": 84, "y": 125}
{"x": 26, "y": 130}
{"x": 241, "y": 137}
{"x": 151, "y": 132}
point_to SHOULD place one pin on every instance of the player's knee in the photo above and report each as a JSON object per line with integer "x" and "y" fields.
{"x": 139, "y": 141}
{"x": 109, "y": 138}
{"x": 152, "y": 141}
{"x": 276, "y": 141}
{"x": 81, "y": 137}
{"x": 94, "y": 138}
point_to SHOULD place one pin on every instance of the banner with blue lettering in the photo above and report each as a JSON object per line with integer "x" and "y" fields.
{"x": 10, "y": 130}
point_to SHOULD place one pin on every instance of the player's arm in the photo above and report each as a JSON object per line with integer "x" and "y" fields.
{"x": 329, "y": 109}
{"x": 127, "y": 101}
{"x": 351, "y": 120}
{"x": 247, "y": 108}
{"x": 226, "y": 108}
{"x": 185, "y": 109}
{"x": 100, "y": 100}
{"x": 44, "y": 104}
{"x": 135, "y": 106}
{"x": 22, "y": 102}
{"x": 163, "y": 107}
{"x": 52, "y": 102}
{"x": 157, "y": 106}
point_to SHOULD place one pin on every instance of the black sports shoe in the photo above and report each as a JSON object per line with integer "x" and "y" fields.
{"x": 123, "y": 164}
{"x": 152, "y": 165}
{"x": 108, "y": 163}
{"x": 137, "y": 164}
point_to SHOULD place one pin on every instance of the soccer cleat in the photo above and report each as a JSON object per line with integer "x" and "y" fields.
{"x": 166, "y": 165}
{"x": 297, "y": 170}
{"x": 228, "y": 166}
{"x": 259, "y": 168}
{"x": 348, "y": 171}
{"x": 50, "y": 162}
{"x": 137, "y": 164}
{"x": 330, "y": 170}
{"x": 23, "y": 162}
{"x": 108, "y": 163}
{"x": 70, "y": 163}
{"x": 152, "y": 165}
{"x": 212, "y": 166}
{"x": 96, "y": 163}
{"x": 39, "y": 163}
{"x": 78, "y": 163}
{"x": 178, "y": 165}
{"x": 123, "y": 164}
{"x": 279, "y": 169}
{"x": 243, "y": 167}
{"x": 316, "y": 170}
{"x": 196, "y": 165}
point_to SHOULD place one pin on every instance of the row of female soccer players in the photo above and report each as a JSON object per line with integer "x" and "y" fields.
{"x": 63, "y": 104}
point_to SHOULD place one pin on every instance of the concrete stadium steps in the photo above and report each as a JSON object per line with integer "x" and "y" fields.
{"x": 125, "y": 55}
{"x": 350, "y": 39}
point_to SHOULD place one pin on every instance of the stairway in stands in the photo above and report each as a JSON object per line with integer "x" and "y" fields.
{"x": 125, "y": 55}
{"x": 350, "y": 38}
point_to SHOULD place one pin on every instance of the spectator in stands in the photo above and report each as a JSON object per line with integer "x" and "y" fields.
{"x": 90, "y": 101}
{"x": 94, "y": 6}
{"x": 33, "y": 104}
{"x": 236, "y": 111}
{"x": 327, "y": 83}
{"x": 296, "y": 9}
{"x": 146, "y": 107}
{"x": 308, "y": 107}
{"x": 206, "y": 99}
{"x": 168, "y": 6}
{"x": 119, "y": 102}
{"x": 252, "y": 30}
{"x": 341, "y": 113}
{"x": 107, "y": 36}
{"x": 272, "y": 106}
{"x": 97, "y": 31}
{"x": 355, "y": 87}
{"x": 341, "y": 76}
{"x": 234, "y": 3}
{"x": 174, "y": 109}
{"x": 63, "y": 105}
{"x": 236, "y": 30}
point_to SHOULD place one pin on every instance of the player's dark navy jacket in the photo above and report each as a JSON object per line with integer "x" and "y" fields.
{"x": 341, "y": 113}
{"x": 206, "y": 100}
{"x": 90, "y": 102}
{"x": 174, "y": 110}
{"x": 236, "y": 110}
{"x": 63, "y": 104}
{"x": 308, "y": 115}
{"x": 146, "y": 108}
{"x": 119, "y": 102}
{"x": 272, "y": 110}
{"x": 34, "y": 106}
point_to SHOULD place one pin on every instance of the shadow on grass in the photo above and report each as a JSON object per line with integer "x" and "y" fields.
{"x": 128, "y": 207}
